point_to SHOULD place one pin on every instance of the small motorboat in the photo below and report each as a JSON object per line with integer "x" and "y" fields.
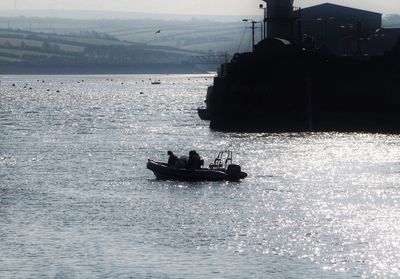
{"x": 221, "y": 169}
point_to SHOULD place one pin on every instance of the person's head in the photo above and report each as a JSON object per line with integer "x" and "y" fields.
{"x": 192, "y": 152}
{"x": 169, "y": 152}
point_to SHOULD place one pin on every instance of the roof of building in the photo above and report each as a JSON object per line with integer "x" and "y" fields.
{"x": 334, "y": 6}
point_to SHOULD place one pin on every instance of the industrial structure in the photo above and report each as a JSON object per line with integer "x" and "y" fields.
{"x": 343, "y": 30}
{"x": 314, "y": 71}
{"x": 338, "y": 29}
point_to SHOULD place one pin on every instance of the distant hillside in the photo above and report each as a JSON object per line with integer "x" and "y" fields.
{"x": 203, "y": 35}
{"x": 88, "y": 49}
{"x": 391, "y": 21}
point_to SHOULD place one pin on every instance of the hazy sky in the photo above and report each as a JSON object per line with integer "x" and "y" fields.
{"x": 212, "y": 7}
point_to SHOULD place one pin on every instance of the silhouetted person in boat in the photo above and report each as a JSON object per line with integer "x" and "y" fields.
{"x": 172, "y": 159}
{"x": 181, "y": 163}
{"x": 199, "y": 161}
{"x": 195, "y": 161}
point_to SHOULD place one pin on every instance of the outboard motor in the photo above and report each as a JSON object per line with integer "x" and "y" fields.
{"x": 234, "y": 171}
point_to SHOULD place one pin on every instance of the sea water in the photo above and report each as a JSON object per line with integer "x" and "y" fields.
{"x": 76, "y": 199}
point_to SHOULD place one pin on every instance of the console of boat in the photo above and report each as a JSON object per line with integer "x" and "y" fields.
{"x": 221, "y": 169}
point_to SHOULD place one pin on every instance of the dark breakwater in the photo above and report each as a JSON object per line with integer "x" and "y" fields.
{"x": 281, "y": 88}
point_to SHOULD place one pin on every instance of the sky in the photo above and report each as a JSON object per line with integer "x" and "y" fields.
{"x": 191, "y": 7}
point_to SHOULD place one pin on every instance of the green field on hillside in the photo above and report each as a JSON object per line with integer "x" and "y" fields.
{"x": 191, "y": 35}
{"x": 89, "y": 48}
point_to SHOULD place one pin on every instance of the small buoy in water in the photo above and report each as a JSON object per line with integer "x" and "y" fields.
{"x": 13, "y": 84}
{"x": 122, "y": 83}
{"x": 48, "y": 90}
{"x": 58, "y": 91}
{"x": 30, "y": 88}
{"x": 141, "y": 93}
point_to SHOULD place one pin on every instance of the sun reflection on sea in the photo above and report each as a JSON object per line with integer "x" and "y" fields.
{"x": 76, "y": 197}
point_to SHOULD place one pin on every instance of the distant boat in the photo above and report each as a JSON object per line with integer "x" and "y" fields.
{"x": 156, "y": 82}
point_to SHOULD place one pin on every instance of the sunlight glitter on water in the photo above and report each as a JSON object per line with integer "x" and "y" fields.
{"x": 77, "y": 200}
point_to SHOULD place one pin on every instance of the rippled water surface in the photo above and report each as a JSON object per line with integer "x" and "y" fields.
{"x": 76, "y": 199}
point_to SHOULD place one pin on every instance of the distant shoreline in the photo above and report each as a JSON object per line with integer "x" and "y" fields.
{"x": 103, "y": 69}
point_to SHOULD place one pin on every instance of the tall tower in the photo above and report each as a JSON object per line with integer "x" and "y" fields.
{"x": 280, "y": 19}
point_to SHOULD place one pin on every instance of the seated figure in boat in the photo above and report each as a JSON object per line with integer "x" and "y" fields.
{"x": 195, "y": 161}
{"x": 181, "y": 163}
{"x": 172, "y": 159}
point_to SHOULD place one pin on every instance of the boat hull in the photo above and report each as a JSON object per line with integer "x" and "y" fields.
{"x": 162, "y": 171}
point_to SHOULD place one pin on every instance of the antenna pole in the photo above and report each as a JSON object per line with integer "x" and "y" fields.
{"x": 253, "y": 27}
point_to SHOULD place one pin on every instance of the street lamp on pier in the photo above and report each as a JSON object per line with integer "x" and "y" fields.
{"x": 253, "y": 27}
